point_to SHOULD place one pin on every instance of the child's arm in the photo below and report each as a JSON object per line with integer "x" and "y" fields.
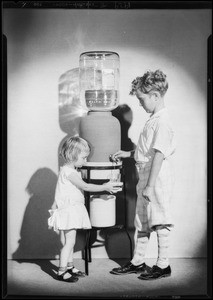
{"x": 123, "y": 154}
{"x": 155, "y": 169}
{"x": 111, "y": 187}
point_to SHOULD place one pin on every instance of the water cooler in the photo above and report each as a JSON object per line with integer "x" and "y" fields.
{"x": 99, "y": 94}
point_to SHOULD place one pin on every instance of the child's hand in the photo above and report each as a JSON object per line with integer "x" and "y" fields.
{"x": 113, "y": 187}
{"x": 148, "y": 193}
{"x": 53, "y": 208}
{"x": 120, "y": 154}
{"x": 51, "y": 211}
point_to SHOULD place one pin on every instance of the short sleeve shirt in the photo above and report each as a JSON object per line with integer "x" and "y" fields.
{"x": 157, "y": 134}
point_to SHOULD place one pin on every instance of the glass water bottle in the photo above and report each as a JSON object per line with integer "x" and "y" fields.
{"x": 99, "y": 80}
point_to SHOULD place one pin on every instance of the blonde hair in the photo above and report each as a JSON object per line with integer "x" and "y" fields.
{"x": 72, "y": 147}
{"x": 150, "y": 82}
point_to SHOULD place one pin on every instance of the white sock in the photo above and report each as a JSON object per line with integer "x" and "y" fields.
{"x": 140, "y": 248}
{"x": 61, "y": 270}
{"x": 163, "y": 247}
{"x": 70, "y": 265}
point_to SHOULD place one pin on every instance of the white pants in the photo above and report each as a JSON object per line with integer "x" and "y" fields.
{"x": 153, "y": 215}
{"x": 158, "y": 210}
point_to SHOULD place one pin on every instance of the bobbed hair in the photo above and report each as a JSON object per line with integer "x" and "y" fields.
{"x": 150, "y": 82}
{"x": 72, "y": 147}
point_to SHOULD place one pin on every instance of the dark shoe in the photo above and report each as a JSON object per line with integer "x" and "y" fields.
{"x": 128, "y": 268}
{"x": 155, "y": 272}
{"x": 70, "y": 279}
{"x": 76, "y": 272}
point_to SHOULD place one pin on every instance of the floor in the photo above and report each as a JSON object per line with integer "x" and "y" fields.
{"x": 37, "y": 278}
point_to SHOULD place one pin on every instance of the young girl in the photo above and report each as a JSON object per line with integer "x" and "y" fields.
{"x": 68, "y": 212}
{"x": 155, "y": 147}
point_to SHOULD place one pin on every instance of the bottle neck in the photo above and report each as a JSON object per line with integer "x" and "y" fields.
{"x": 104, "y": 113}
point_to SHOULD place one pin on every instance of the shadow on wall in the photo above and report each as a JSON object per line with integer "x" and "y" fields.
{"x": 124, "y": 114}
{"x": 36, "y": 240}
{"x": 116, "y": 241}
{"x": 70, "y": 108}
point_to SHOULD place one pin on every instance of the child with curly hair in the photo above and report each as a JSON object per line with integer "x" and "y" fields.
{"x": 155, "y": 146}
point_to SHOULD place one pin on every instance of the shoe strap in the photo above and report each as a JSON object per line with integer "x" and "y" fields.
{"x": 62, "y": 275}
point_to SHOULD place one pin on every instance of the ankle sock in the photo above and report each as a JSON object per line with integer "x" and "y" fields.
{"x": 70, "y": 265}
{"x": 61, "y": 270}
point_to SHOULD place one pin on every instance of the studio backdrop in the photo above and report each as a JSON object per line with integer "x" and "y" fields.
{"x": 43, "y": 49}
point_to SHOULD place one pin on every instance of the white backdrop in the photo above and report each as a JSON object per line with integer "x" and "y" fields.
{"x": 45, "y": 43}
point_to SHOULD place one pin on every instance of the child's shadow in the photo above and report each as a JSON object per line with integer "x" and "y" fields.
{"x": 116, "y": 242}
{"x": 36, "y": 240}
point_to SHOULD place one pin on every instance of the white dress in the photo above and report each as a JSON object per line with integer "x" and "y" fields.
{"x": 157, "y": 134}
{"x": 71, "y": 212}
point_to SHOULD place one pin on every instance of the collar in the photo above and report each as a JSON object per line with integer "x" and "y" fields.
{"x": 159, "y": 113}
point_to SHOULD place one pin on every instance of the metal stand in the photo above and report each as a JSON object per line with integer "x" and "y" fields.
{"x": 87, "y": 250}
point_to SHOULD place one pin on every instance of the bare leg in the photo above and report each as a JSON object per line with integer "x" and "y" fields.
{"x": 62, "y": 237}
{"x": 70, "y": 266}
{"x": 70, "y": 259}
{"x": 69, "y": 236}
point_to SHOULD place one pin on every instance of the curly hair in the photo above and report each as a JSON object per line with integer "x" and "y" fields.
{"x": 150, "y": 82}
{"x": 72, "y": 147}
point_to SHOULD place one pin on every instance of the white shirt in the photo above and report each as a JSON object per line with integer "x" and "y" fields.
{"x": 156, "y": 134}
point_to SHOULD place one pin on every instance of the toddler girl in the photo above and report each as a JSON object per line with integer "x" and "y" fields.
{"x": 68, "y": 212}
